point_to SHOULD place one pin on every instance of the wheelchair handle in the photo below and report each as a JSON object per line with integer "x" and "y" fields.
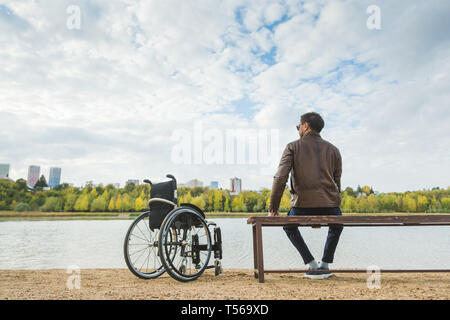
{"x": 173, "y": 178}
{"x": 148, "y": 181}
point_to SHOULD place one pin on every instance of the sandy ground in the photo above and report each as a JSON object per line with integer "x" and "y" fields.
{"x": 232, "y": 284}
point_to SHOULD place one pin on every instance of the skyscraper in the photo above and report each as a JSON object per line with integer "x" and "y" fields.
{"x": 54, "y": 177}
{"x": 236, "y": 186}
{"x": 33, "y": 175}
{"x": 133, "y": 181}
{"x": 214, "y": 185}
{"x": 4, "y": 171}
{"x": 194, "y": 183}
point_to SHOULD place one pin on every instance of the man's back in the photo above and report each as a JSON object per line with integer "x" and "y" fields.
{"x": 316, "y": 167}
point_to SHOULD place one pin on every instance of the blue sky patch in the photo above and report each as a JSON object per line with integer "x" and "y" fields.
{"x": 7, "y": 15}
{"x": 244, "y": 107}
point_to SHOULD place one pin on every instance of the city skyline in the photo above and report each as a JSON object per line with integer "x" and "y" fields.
{"x": 190, "y": 183}
{"x": 54, "y": 178}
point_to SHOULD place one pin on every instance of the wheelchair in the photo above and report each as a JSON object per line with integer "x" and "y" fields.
{"x": 172, "y": 238}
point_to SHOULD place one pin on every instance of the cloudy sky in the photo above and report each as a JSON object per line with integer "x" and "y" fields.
{"x": 104, "y": 99}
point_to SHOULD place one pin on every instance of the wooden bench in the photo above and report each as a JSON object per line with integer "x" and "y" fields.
{"x": 346, "y": 221}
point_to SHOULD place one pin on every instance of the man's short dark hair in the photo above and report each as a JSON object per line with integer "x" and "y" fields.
{"x": 314, "y": 120}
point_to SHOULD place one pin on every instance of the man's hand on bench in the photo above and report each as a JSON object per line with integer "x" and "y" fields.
{"x": 273, "y": 214}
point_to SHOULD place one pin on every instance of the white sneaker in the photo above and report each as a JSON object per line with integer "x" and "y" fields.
{"x": 318, "y": 274}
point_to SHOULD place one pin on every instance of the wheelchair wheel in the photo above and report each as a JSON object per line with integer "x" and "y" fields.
{"x": 141, "y": 249}
{"x": 186, "y": 256}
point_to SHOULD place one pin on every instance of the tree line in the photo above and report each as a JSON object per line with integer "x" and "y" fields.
{"x": 16, "y": 196}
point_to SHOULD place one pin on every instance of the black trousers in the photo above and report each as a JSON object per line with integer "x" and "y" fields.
{"x": 334, "y": 232}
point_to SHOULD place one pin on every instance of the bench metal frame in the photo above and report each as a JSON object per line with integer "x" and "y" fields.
{"x": 318, "y": 221}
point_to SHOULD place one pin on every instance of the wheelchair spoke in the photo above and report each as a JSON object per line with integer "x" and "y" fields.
{"x": 148, "y": 258}
{"x": 144, "y": 260}
{"x": 139, "y": 237}
{"x": 138, "y": 251}
{"x": 137, "y": 225}
{"x": 147, "y": 223}
{"x": 138, "y": 257}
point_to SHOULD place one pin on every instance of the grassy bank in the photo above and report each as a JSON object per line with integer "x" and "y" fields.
{"x": 108, "y": 215}
{"x": 31, "y": 215}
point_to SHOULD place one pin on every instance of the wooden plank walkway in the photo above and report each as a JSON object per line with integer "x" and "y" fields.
{"x": 318, "y": 221}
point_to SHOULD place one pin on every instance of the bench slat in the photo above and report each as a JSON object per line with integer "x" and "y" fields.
{"x": 365, "y": 220}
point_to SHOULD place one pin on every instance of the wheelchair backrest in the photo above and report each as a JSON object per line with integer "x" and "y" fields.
{"x": 165, "y": 190}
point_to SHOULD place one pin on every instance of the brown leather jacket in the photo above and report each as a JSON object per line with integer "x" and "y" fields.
{"x": 315, "y": 166}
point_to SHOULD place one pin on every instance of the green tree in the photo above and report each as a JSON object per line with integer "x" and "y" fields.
{"x": 112, "y": 204}
{"x": 37, "y": 200}
{"x": 226, "y": 204}
{"x": 362, "y": 204}
{"x": 285, "y": 202}
{"x": 93, "y": 194}
{"x": 139, "y": 204}
{"x": 350, "y": 192}
{"x": 348, "y": 203}
{"x": 70, "y": 200}
{"x": 20, "y": 185}
{"x": 41, "y": 183}
{"x": 409, "y": 204}
{"x": 21, "y": 207}
{"x": 445, "y": 203}
{"x": 126, "y": 203}
{"x": 118, "y": 203}
{"x": 238, "y": 204}
{"x": 422, "y": 203}
{"x": 82, "y": 203}
{"x": 260, "y": 205}
{"x": 218, "y": 200}
{"x": 52, "y": 204}
{"x": 367, "y": 190}
{"x": 358, "y": 189}
{"x": 372, "y": 201}
{"x": 199, "y": 202}
{"x": 99, "y": 204}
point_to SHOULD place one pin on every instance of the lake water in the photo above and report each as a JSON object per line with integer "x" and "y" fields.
{"x": 99, "y": 244}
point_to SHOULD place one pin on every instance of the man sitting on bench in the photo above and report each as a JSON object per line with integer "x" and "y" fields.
{"x": 315, "y": 166}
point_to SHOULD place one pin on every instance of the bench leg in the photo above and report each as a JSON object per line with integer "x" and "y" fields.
{"x": 259, "y": 246}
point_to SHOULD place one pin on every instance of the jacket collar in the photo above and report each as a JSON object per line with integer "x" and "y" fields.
{"x": 311, "y": 134}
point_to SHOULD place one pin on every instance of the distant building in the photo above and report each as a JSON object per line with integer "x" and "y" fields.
{"x": 33, "y": 175}
{"x": 214, "y": 185}
{"x": 194, "y": 183}
{"x": 54, "y": 177}
{"x": 90, "y": 183}
{"x": 236, "y": 186}
{"x": 133, "y": 181}
{"x": 4, "y": 171}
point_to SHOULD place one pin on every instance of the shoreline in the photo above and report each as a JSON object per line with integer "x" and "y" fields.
{"x": 233, "y": 284}
{"x": 31, "y": 216}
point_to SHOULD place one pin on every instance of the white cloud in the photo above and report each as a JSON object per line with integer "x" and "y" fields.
{"x": 102, "y": 101}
